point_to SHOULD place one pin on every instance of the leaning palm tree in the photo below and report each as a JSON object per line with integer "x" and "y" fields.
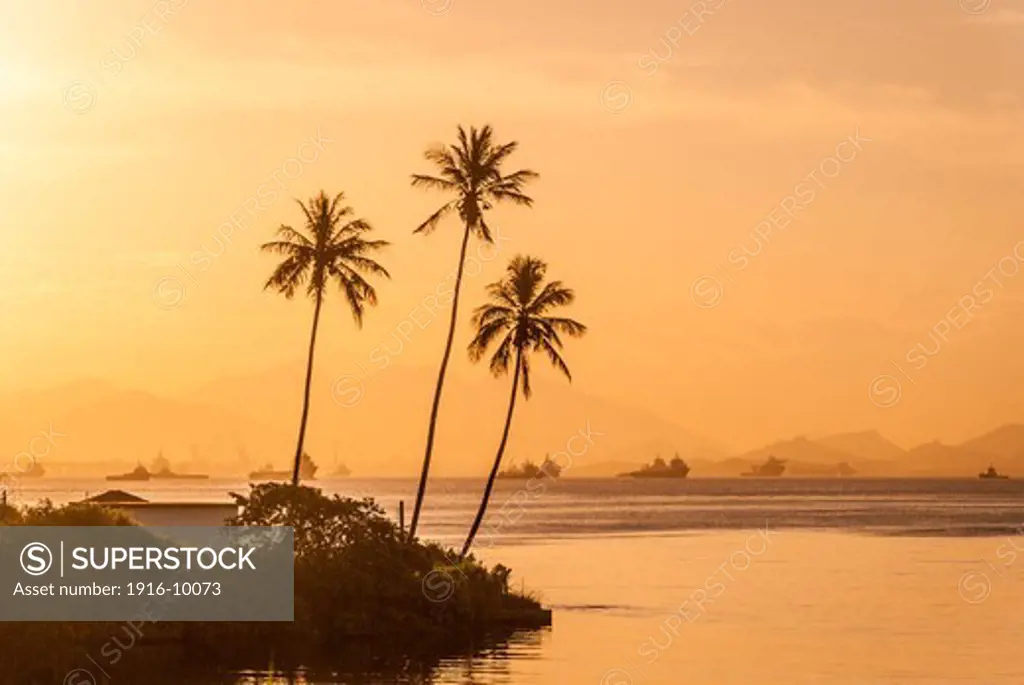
{"x": 330, "y": 248}
{"x": 470, "y": 171}
{"x": 519, "y": 308}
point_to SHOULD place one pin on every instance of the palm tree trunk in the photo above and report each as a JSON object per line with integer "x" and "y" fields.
{"x": 309, "y": 382}
{"x": 497, "y": 462}
{"x": 422, "y": 490}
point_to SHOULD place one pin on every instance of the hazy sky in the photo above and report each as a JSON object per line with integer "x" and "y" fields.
{"x": 664, "y": 133}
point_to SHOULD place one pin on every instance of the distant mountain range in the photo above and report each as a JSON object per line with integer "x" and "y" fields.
{"x": 868, "y": 453}
{"x": 376, "y": 426}
{"x": 236, "y": 424}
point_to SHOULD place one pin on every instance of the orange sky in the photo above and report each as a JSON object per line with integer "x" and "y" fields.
{"x": 122, "y": 159}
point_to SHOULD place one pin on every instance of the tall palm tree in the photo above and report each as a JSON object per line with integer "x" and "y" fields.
{"x": 330, "y": 248}
{"x": 519, "y": 308}
{"x": 471, "y": 171}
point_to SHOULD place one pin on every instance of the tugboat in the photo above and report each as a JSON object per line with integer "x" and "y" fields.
{"x": 770, "y": 469}
{"x": 139, "y": 473}
{"x": 307, "y": 471}
{"x": 992, "y": 473}
{"x": 530, "y": 470}
{"x": 677, "y": 468}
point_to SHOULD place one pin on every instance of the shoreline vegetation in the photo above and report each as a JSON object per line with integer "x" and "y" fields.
{"x": 366, "y": 597}
{"x": 360, "y": 578}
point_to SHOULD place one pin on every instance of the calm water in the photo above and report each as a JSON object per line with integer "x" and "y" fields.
{"x": 732, "y": 581}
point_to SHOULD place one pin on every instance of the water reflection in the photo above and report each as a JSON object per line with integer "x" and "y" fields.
{"x": 493, "y": 665}
{"x": 489, "y": 665}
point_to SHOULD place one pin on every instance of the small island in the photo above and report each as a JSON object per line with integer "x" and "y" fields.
{"x": 677, "y": 468}
{"x": 366, "y": 595}
{"x": 548, "y": 469}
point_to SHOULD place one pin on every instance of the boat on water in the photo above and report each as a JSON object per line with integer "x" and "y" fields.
{"x": 772, "y": 468}
{"x": 549, "y": 468}
{"x": 340, "y": 469}
{"x": 167, "y": 474}
{"x": 139, "y": 473}
{"x": 307, "y": 471}
{"x": 991, "y": 472}
{"x": 845, "y": 469}
{"x": 677, "y": 468}
{"x": 160, "y": 469}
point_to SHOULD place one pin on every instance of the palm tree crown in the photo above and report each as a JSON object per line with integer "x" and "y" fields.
{"x": 518, "y": 309}
{"x": 331, "y": 247}
{"x": 472, "y": 171}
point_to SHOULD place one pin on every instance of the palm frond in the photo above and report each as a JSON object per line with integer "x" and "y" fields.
{"x": 502, "y": 357}
{"x": 485, "y": 314}
{"x": 483, "y": 230}
{"x": 431, "y": 222}
{"x": 289, "y": 275}
{"x": 496, "y": 155}
{"x": 517, "y": 178}
{"x": 284, "y": 247}
{"x": 485, "y": 335}
{"x": 310, "y": 221}
{"x": 568, "y": 326}
{"x": 434, "y": 183}
{"x": 510, "y": 195}
{"x": 291, "y": 235}
{"x": 554, "y": 294}
{"x": 556, "y": 358}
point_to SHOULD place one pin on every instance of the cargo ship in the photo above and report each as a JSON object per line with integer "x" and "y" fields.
{"x": 772, "y": 468}
{"x": 677, "y": 468}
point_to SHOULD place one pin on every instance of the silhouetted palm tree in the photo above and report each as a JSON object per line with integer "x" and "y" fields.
{"x": 330, "y": 248}
{"x": 518, "y": 309}
{"x": 471, "y": 172}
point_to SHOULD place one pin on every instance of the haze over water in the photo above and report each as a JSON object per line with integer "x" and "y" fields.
{"x": 717, "y": 232}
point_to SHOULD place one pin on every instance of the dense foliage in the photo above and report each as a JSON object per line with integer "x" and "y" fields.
{"x": 361, "y": 588}
{"x": 356, "y": 574}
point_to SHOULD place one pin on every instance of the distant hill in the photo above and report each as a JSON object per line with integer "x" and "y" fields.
{"x": 867, "y": 445}
{"x": 798, "y": 449}
{"x": 821, "y": 457}
{"x": 235, "y": 424}
{"x": 1003, "y": 443}
{"x": 239, "y": 423}
{"x": 937, "y": 459}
